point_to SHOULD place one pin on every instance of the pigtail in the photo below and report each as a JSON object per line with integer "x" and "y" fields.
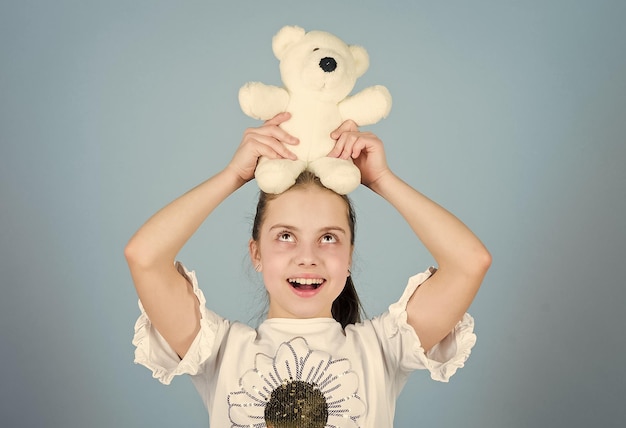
{"x": 347, "y": 308}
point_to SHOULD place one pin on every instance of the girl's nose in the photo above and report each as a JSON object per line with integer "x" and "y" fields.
{"x": 307, "y": 255}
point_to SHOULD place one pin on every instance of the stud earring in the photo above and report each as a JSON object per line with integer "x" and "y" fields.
{"x": 258, "y": 267}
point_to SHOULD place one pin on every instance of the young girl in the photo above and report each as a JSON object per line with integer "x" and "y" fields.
{"x": 312, "y": 362}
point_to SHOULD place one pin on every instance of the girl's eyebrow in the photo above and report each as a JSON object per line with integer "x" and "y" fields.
{"x": 333, "y": 229}
{"x": 283, "y": 226}
{"x": 295, "y": 229}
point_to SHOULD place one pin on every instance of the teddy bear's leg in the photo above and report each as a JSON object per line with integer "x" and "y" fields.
{"x": 339, "y": 175}
{"x": 277, "y": 175}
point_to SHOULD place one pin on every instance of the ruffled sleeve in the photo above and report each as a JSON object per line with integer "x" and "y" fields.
{"x": 153, "y": 352}
{"x": 443, "y": 359}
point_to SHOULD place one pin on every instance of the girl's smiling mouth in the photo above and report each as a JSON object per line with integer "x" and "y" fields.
{"x": 306, "y": 287}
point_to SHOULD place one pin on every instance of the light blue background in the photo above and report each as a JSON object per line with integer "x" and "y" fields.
{"x": 511, "y": 114}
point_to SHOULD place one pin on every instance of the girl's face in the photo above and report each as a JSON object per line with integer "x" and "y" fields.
{"x": 304, "y": 252}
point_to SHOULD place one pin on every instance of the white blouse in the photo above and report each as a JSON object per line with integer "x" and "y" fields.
{"x": 307, "y": 370}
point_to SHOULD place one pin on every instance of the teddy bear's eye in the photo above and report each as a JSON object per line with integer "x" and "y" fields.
{"x": 316, "y": 49}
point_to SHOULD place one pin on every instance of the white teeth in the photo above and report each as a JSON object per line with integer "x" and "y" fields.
{"x": 306, "y": 281}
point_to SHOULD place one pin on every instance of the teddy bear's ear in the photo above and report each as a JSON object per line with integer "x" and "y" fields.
{"x": 285, "y": 37}
{"x": 361, "y": 59}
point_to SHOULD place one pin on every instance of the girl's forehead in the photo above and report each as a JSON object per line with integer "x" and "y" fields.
{"x": 309, "y": 204}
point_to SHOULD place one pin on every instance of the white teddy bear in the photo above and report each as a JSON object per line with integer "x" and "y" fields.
{"x": 318, "y": 71}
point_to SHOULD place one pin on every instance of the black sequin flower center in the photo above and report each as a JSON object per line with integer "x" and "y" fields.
{"x": 296, "y": 404}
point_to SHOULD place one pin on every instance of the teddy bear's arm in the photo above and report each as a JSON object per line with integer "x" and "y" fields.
{"x": 262, "y": 101}
{"x": 368, "y": 106}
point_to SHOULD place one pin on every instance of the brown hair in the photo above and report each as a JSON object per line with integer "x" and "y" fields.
{"x": 346, "y": 308}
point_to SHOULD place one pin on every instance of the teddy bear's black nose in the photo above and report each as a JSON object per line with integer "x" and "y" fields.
{"x": 328, "y": 64}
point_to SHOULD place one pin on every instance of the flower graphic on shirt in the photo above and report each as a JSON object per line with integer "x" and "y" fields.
{"x": 298, "y": 388}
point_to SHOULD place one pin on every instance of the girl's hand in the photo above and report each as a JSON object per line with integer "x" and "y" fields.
{"x": 266, "y": 140}
{"x": 364, "y": 148}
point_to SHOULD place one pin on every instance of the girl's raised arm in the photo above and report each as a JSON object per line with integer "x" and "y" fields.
{"x": 439, "y": 303}
{"x": 165, "y": 294}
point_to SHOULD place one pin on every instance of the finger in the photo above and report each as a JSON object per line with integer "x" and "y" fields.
{"x": 271, "y": 153}
{"x": 344, "y": 143}
{"x": 265, "y": 142}
{"x": 271, "y": 127}
{"x": 272, "y": 131}
{"x": 357, "y": 149}
{"x": 350, "y": 140}
{"x": 367, "y": 142}
{"x": 337, "y": 148}
{"x": 275, "y": 133}
{"x": 357, "y": 143}
{"x": 283, "y": 136}
{"x": 347, "y": 126}
{"x": 353, "y": 148}
{"x": 335, "y": 152}
{"x": 279, "y": 118}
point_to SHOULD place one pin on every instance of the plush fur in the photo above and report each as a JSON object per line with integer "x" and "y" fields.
{"x": 318, "y": 71}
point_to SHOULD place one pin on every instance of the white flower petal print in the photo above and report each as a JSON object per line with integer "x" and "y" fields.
{"x": 340, "y": 367}
{"x": 285, "y": 362}
{"x": 243, "y": 410}
{"x": 347, "y": 407}
{"x": 263, "y": 363}
{"x": 297, "y": 382}
{"x": 341, "y": 387}
{"x": 258, "y": 384}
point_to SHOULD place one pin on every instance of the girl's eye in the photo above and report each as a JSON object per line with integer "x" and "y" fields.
{"x": 285, "y": 237}
{"x": 329, "y": 238}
